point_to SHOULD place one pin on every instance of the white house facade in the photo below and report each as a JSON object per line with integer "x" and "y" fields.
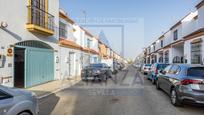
{"x": 29, "y": 48}
{"x": 182, "y": 43}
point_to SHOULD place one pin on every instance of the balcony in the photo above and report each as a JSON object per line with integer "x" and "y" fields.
{"x": 40, "y": 21}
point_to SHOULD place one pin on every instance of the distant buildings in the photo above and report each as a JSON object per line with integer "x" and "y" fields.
{"x": 182, "y": 43}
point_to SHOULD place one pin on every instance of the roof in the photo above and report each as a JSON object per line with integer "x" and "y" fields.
{"x": 199, "y": 5}
{"x": 67, "y": 18}
{"x": 175, "y": 25}
{"x": 87, "y": 32}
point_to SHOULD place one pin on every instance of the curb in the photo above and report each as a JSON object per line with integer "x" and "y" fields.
{"x": 57, "y": 90}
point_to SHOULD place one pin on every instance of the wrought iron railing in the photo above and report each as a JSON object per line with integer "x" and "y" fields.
{"x": 40, "y": 17}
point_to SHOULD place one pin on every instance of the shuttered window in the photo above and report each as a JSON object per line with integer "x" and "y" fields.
{"x": 166, "y": 57}
{"x": 196, "y": 52}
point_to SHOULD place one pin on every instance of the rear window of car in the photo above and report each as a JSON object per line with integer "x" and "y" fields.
{"x": 97, "y": 65}
{"x": 196, "y": 71}
{"x": 149, "y": 65}
{"x": 4, "y": 95}
{"x": 162, "y": 66}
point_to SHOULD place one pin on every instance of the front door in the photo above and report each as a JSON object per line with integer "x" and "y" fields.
{"x": 19, "y": 62}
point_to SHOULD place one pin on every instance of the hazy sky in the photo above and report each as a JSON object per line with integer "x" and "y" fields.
{"x": 143, "y": 21}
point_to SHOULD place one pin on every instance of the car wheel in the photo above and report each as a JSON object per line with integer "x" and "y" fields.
{"x": 174, "y": 98}
{"x": 25, "y": 113}
{"x": 157, "y": 85}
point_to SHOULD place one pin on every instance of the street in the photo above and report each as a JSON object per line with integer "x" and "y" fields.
{"x": 114, "y": 98}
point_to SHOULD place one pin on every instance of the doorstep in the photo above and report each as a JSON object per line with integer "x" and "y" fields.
{"x": 51, "y": 87}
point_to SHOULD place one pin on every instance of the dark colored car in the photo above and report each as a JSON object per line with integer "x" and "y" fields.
{"x": 120, "y": 65}
{"x": 155, "y": 69}
{"x": 184, "y": 83}
{"x": 98, "y": 71}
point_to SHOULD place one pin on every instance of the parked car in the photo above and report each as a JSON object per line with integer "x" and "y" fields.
{"x": 98, "y": 71}
{"x": 17, "y": 102}
{"x": 183, "y": 83}
{"x": 146, "y": 68}
{"x": 140, "y": 68}
{"x": 155, "y": 69}
{"x": 120, "y": 65}
{"x": 136, "y": 65}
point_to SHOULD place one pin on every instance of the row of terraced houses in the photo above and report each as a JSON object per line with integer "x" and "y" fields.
{"x": 182, "y": 43}
{"x": 39, "y": 42}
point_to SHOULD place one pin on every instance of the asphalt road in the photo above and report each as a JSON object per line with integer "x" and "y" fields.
{"x": 127, "y": 93}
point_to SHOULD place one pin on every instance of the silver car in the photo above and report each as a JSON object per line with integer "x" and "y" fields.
{"x": 184, "y": 83}
{"x": 17, "y": 102}
{"x": 146, "y": 69}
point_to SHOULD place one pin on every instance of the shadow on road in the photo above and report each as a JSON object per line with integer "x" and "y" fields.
{"x": 47, "y": 107}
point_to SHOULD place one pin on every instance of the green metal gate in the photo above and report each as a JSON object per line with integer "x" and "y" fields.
{"x": 39, "y": 66}
{"x": 39, "y": 62}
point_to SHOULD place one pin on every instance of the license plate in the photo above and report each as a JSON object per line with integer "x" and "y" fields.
{"x": 90, "y": 78}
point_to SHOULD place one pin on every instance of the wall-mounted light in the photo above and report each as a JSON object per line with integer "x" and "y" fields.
{"x": 3, "y": 25}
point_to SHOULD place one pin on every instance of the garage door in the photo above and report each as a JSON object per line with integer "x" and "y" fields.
{"x": 39, "y": 66}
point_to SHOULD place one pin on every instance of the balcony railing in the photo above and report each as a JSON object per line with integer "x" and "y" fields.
{"x": 41, "y": 18}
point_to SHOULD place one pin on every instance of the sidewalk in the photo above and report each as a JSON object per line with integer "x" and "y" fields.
{"x": 49, "y": 88}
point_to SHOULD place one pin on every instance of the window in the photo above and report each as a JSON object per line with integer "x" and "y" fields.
{"x": 167, "y": 69}
{"x": 175, "y": 34}
{"x": 105, "y": 65}
{"x": 166, "y": 59}
{"x": 162, "y": 43}
{"x": 154, "y": 48}
{"x": 174, "y": 70}
{"x": 62, "y": 30}
{"x": 38, "y": 11}
{"x": 161, "y": 66}
{"x": 97, "y": 65}
{"x": 4, "y": 95}
{"x": 88, "y": 43}
{"x": 38, "y": 14}
{"x": 155, "y": 58}
{"x": 196, "y": 71}
{"x": 196, "y": 53}
{"x": 161, "y": 59}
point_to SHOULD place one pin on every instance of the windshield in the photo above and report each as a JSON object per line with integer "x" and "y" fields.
{"x": 96, "y": 65}
{"x": 148, "y": 65}
{"x": 196, "y": 71}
